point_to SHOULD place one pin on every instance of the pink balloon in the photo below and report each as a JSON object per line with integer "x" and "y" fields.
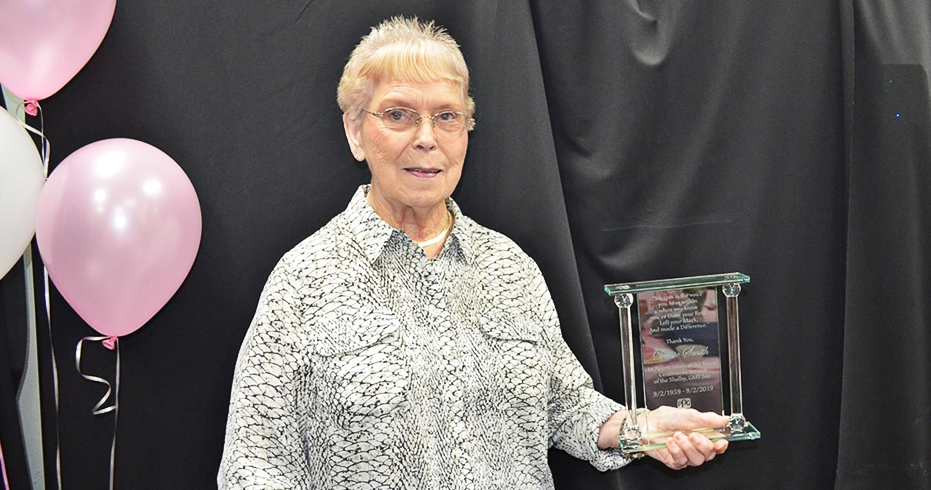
{"x": 45, "y": 43}
{"x": 118, "y": 226}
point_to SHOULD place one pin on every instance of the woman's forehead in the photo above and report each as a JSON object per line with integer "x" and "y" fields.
{"x": 432, "y": 92}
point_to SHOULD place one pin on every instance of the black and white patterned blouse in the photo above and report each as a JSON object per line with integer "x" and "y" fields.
{"x": 369, "y": 366}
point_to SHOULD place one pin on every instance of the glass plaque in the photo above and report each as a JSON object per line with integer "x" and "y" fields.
{"x": 679, "y": 355}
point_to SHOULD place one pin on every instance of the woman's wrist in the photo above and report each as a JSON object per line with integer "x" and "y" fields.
{"x": 607, "y": 434}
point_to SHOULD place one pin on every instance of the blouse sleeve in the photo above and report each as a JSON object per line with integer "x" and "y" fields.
{"x": 576, "y": 410}
{"x": 263, "y": 447}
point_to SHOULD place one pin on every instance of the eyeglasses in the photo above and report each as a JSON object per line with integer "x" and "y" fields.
{"x": 404, "y": 119}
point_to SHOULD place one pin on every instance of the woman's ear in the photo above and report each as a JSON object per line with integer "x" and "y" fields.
{"x": 354, "y": 137}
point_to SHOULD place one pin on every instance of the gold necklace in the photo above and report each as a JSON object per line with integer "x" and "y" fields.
{"x": 442, "y": 235}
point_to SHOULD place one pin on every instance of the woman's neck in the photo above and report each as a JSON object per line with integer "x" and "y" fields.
{"x": 428, "y": 227}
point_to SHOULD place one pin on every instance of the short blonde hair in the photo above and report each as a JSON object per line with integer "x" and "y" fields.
{"x": 404, "y": 50}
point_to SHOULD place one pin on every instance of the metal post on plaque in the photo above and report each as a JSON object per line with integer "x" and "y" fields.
{"x": 680, "y": 354}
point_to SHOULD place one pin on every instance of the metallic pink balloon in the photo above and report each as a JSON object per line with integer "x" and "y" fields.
{"x": 45, "y": 43}
{"x": 118, "y": 226}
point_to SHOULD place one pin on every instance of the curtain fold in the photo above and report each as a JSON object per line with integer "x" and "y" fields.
{"x": 885, "y": 420}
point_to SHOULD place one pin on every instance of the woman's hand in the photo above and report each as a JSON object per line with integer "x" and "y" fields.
{"x": 682, "y": 449}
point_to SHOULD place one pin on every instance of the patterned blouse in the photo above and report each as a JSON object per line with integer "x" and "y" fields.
{"x": 370, "y": 366}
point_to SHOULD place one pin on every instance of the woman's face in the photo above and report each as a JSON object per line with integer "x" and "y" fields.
{"x": 418, "y": 168}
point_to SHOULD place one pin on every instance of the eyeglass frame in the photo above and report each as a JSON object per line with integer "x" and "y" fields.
{"x": 468, "y": 122}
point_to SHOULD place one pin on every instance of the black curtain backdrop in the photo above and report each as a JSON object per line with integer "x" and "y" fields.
{"x": 617, "y": 140}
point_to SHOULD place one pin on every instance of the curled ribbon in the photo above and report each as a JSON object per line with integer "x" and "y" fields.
{"x": 112, "y": 343}
{"x": 97, "y": 410}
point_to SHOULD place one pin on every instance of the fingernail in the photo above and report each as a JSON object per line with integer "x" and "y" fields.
{"x": 680, "y": 437}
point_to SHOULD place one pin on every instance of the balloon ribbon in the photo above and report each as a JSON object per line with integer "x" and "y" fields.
{"x": 112, "y": 343}
{"x": 33, "y": 108}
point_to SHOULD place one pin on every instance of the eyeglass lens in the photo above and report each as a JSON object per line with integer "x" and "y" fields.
{"x": 403, "y": 119}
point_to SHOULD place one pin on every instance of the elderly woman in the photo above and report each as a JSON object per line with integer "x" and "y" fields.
{"x": 403, "y": 345}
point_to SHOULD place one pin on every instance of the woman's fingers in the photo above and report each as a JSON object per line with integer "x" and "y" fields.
{"x": 693, "y": 450}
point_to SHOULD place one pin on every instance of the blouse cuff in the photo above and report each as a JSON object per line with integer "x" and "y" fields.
{"x": 605, "y": 459}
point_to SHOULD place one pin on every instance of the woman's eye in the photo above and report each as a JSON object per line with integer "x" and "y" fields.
{"x": 446, "y": 116}
{"x": 397, "y": 114}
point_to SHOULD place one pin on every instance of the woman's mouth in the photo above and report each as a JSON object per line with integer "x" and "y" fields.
{"x": 422, "y": 172}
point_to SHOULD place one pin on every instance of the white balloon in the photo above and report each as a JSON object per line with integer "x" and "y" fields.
{"x": 21, "y": 181}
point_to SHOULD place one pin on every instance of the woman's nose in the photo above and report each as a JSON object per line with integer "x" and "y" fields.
{"x": 425, "y": 134}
